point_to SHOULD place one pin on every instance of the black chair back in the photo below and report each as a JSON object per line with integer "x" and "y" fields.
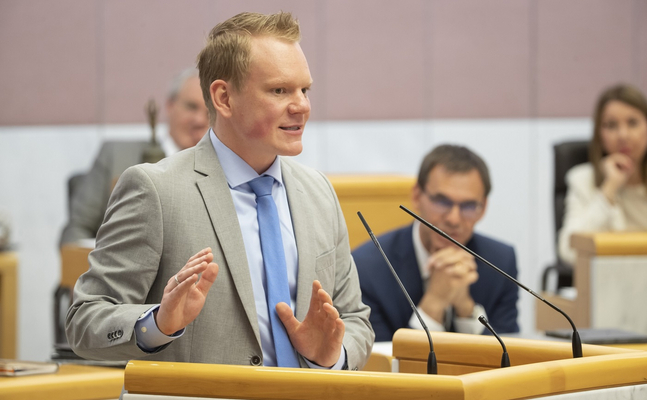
{"x": 567, "y": 155}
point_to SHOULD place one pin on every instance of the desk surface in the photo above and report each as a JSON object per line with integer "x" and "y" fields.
{"x": 71, "y": 382}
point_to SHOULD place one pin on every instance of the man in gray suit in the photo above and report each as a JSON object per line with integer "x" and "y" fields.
{"x": 188, "y": 120}
{"x": 141, "y": 298}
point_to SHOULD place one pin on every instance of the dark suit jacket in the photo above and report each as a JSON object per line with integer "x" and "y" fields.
{"x": 390, "y": 310}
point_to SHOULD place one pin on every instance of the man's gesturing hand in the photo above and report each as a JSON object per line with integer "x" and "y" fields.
{"x": 181, "y": 303}
{"x": 319, "y": 337}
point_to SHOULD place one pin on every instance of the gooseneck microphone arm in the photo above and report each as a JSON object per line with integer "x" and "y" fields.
{"x": 576, "y": 342}
{"x": 432, "y": 366}
{"x": 505, "y": 358}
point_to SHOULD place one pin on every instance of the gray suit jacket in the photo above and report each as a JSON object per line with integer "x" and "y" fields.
{"x": 160, "y": 215}
{"x": 90, "y": 199}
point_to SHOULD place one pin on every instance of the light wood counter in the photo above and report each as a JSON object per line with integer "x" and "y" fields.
{"x": 539, "y": 368}
{"x": 621, "y": 260}
{"x": 74, "y": 262}
{"x": 378, "y": 197}
{"x": 71, "y": 382}
{"x": 8, "y": 304}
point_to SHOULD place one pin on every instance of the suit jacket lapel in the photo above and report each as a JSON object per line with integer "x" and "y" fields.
{"x": 406, "y": 265}
{"x": 300, "y": 211}
{"x": 220, "y": 207}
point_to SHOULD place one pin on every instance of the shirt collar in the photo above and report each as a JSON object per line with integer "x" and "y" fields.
{"x": 422, "y": 255}
{"x": 236, "y": 170}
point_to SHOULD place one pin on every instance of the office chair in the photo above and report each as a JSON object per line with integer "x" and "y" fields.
{"x": 567, "y": 155}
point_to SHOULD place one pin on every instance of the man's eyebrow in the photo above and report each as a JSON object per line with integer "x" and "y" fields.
{"x": 441, "y": 194}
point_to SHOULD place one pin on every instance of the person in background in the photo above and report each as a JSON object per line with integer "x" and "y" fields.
{"x": 609, "y": 192}
{"x": 188, "y": 121}
{"x": 450, "y": 287}
{"x": 5, "y": 229}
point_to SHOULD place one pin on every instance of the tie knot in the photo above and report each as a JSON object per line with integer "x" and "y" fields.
{"x": 262, "y": 186}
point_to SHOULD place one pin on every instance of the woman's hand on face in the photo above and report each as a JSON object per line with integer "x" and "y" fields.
{"x": 617, "y": 168}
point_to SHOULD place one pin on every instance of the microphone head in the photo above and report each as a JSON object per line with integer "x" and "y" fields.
{"x": 483, "y": 320}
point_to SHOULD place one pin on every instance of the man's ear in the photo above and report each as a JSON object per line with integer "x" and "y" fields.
{"x": 483, "y": 210}
{"x": 220, "y": 97}
{"x": 484, "y": 205}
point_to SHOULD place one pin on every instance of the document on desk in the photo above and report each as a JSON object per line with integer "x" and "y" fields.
{"x": 22, "y": 368}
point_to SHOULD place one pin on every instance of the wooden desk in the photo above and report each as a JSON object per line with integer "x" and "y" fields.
{"x": 71, "y": 382}
{"x": 539, "y": 368}
{"x": 378, "y": 197}
{"x": 74, "y": 262}
{"x": 610, "y": 276}
{"x": 8, "y": 304}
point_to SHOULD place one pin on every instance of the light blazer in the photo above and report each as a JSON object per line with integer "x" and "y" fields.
{"x": 160, "y": 215}
{"x": 391, "y": 311}
{"x": 90, "y": 199}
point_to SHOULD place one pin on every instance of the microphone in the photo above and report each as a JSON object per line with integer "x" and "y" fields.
{"x": 432, "y": 366}
{"x": 505, "y": 359}
{"x": 576, "y": 341}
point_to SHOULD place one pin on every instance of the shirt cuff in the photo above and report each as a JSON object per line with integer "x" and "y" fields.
{"x": 338, "y": 365}
{"x": 471, "y": 324}
{"x": 432, "y": 324}
{"x": 149, "y": 337}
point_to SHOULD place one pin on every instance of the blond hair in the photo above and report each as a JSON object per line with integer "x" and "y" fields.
{"x": 226, "y": 55}
{"x": 626, "y": 94}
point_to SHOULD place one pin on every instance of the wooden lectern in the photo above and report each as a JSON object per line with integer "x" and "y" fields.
{"x": 610, "y": 276}
{"x": 468, "y": 367}
{"x": 8, "y": 304}
{"x": 378, "y": 197}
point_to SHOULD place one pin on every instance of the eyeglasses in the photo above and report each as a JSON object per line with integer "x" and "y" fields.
{"x": 469, "y": 210}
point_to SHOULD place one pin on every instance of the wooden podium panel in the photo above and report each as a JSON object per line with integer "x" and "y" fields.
{"x": 8, "y": 304}
{"x": 539, "y": 368}
{"x": 608, "y": 271}
{"x": 378, "y": 197}
{"x": 74, "y": 262}
{"x": 71, "y": 382}
{"x": 246, "y": 382}
{"x": 459, "y": 353}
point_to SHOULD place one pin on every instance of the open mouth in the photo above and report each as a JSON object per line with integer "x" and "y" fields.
{"x": 290, "y": 128}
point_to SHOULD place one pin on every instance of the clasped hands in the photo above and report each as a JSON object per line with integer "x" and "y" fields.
{"x": 318, "y": 337}
{"x": 452, "y": 271}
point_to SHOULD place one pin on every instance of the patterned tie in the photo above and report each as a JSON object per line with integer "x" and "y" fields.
{"x": 276, "y": 273}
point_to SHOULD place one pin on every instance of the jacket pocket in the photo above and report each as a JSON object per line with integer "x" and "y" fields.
{"x": 325, "y": 271}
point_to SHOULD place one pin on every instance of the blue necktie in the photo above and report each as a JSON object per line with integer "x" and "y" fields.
{"x": 276, "y": 274}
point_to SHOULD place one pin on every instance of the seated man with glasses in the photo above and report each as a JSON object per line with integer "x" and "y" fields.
{"x": 451, "y": 288}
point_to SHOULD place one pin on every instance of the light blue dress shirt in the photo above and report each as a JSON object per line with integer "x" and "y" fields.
{"x": 238, "y": 174}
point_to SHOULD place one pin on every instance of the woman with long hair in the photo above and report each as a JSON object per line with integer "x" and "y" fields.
{"x": 609, "y": 193}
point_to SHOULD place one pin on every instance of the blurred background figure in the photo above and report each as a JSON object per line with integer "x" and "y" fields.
{"x": 609, "y": 192}
{"x": 187, "y": 123}
{"x": 5, "y": 229}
